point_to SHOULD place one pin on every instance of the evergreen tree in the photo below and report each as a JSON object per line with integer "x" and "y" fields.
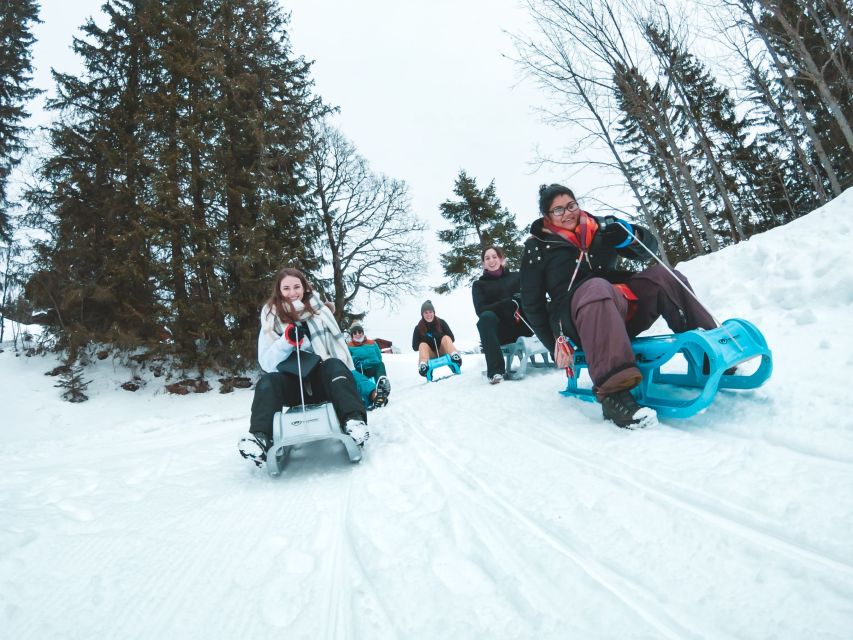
{"x": 97, "y": 263}
{"x": 478, "y": 221}
{"x": 177, "y": 186}
{"x": 71, "y": 380}
{"x": 655, "y": 133}
{"x": 263, "y": 111}
{"x": 16, "y": 40}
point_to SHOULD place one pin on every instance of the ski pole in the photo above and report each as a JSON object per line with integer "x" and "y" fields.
{"x": 299, "y": 366}
{"x": 679, "y": 281}
{"x": 521, "y": 317}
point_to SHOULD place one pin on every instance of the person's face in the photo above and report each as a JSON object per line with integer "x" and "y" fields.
{"x": 291, "y": 288}
{"x": 564, "y": 212}
{"x": 492, "y": 261}
{"x": 429, "y": 316}
{"x": 358, "y": 335}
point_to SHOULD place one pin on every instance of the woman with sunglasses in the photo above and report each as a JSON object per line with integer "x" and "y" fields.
{"x": 571, "y": 257}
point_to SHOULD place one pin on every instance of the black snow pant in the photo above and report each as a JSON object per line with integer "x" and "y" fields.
{"x": 330, "y": 380}
{"x": 599, "y": 313}
{"x": 494, "y": 333}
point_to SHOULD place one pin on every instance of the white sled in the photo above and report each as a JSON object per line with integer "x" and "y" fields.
{"x": 525, "y": 349}
{"x": 306, "y": 423}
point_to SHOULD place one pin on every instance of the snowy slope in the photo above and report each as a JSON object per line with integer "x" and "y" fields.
{"x": 478, "y": 511}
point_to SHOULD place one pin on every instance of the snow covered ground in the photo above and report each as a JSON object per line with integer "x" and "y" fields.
{"x": 478, "y": 511}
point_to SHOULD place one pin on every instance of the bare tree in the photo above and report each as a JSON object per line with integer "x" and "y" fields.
{"x": 583, "y": 47}
{"x": 367, "y": 225}
{"x": 580, "y": 87}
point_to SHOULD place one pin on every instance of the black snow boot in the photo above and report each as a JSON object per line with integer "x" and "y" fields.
{"x": 622, "y": 408}
{"x": 254, "y": 448}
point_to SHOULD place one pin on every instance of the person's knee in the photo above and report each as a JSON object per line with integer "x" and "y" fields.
{"x": 269, "y": 384}
{"x": 335, "y": 367}
{"x": 593, "y": 290}
{"x": 488, "y": 319}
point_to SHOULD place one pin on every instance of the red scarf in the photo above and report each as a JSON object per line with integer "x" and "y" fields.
{"x": 582, "y": 235}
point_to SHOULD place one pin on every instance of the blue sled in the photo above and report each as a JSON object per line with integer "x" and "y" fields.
{"x": 681, "y": 395}
{"x": 441, "y": 361}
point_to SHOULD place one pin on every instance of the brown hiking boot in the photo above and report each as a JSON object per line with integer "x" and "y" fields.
{"x": 622, "y": 408}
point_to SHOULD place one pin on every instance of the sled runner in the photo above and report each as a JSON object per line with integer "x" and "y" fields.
{"x": 441, "y": 361}
{"x": 306, "y": 423}
{"x": 525, "y": 349}
{"x": 708, "y": 353}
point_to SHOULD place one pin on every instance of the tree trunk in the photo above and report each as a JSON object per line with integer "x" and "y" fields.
{"x": 829, "y": 100}
{"x": 817, "y": 183}
{"x": 823, "y": 158}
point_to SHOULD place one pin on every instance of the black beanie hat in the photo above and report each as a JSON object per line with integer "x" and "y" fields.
{"x": 427, "y": 306}
{"x": 547, "y": 193}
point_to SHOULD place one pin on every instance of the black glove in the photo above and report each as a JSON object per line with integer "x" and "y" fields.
{"x": 614, "y": 232}
{"x": 294, "y": 334}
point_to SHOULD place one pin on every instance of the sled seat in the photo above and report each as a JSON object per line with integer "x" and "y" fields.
{"x": 681, "y": 395}
{"x": 293, "y": 426}
{"x": 525, "y": 349}
{"x": 441, "y": 361}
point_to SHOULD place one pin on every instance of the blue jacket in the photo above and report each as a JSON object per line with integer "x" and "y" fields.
{"x": 365, "y": 355}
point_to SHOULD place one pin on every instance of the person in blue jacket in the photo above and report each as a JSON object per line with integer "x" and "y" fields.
{"x": 368, "y": 360}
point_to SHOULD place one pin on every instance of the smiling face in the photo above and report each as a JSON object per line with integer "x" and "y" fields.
{"x": 564, "y": 212}
{"x": 492, "y": 261}
{"x": 429, "y": 316}
{"x": 291, "y": 288}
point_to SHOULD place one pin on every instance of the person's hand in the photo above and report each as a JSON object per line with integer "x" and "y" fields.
{"x": 614, "y": 232}
{"x": 294, "y": 335}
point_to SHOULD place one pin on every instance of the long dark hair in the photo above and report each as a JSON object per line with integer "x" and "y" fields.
{"x": 282, "y": 307}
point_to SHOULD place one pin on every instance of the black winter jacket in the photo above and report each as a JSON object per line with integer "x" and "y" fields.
{"x": 496, "y": 294}
{"x": 430, "y": 333}
{"x": 546, "y": 270}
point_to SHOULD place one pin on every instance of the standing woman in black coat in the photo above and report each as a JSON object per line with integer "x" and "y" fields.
{"x": 570, "y": 286}
{"x": 496, "y": 296}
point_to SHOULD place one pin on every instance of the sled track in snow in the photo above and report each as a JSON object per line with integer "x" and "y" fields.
{"x": 339, "y": 619}
{"x": 713, "y": 509}
{"x": 629, "y": 593}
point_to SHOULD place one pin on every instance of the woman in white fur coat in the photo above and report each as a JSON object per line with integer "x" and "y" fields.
{"x": 294, "y": 317}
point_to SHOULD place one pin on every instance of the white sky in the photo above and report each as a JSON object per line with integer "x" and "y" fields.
{"x": 424, "y": 91}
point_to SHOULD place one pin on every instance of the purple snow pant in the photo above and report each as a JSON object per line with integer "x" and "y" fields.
{"x": 599, "y": 312}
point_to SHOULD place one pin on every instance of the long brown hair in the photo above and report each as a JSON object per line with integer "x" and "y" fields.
{"x": 282, "y": 307}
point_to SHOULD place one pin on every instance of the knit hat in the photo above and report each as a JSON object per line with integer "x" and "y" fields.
{"x": 427, "y": 306}
{"x": 356, "y": 328}
{"x": 547, "y": 193}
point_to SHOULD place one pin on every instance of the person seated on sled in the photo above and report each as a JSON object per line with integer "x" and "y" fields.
{"x": 432, "y": 338}
{"x": 368, "y": 360}
{"x": 295, "y": 318}
{"x": 496, "y": 295}
{"x": 570, "y": 257}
